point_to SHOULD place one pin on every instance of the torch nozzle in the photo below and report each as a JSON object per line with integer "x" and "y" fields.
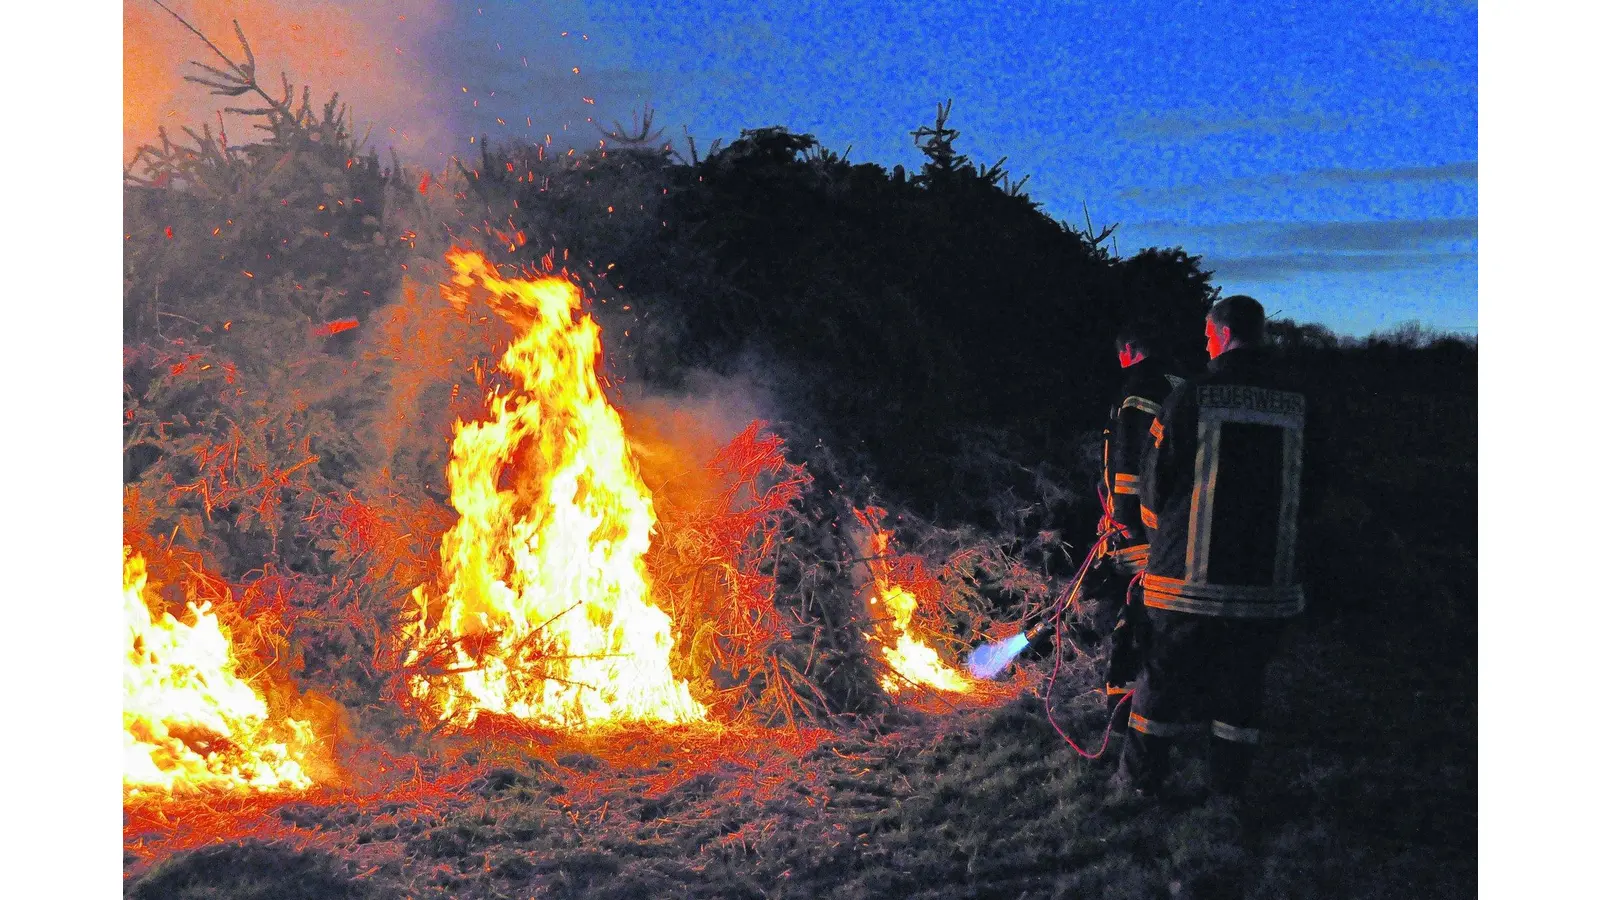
{"x": 1039, "y": 630}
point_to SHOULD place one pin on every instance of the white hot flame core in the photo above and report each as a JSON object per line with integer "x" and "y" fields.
{"x": 546, "y": 611}
{"x": 188, "y": 720}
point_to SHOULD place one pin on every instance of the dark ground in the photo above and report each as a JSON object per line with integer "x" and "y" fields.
{"x": 1366, "y": 789}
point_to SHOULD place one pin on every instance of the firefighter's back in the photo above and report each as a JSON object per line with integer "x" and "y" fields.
{"x": 1226, "y": 540}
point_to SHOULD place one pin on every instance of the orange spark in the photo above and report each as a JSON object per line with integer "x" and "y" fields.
{"x": 334, "y": 327}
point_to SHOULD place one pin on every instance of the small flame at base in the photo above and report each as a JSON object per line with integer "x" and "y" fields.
{"x": 915, "y": 661}
{"x": 911, "y": 662}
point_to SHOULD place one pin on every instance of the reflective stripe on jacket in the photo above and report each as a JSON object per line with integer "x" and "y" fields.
{"x": 1148, "y": 383}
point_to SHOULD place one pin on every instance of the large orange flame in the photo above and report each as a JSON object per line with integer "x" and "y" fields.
{"x": 189, "y": 721}
{"x": 544, "y": 608}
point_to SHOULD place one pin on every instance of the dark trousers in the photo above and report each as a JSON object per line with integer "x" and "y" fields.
{"x": 1130, "y": 637}
{"x": 1121, "y": 614}
{"x": 1202, "y": 674}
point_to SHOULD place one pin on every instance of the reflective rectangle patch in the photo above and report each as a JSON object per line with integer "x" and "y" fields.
{"x": 1255, "y": 405}
{"x": 1227, "y": 600}
{"x": 1162, "y": 729}
{"x": 1289, "y": 509}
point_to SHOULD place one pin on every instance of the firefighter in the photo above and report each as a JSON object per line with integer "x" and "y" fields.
{"x": 1151, "y": 376}
{"x": 1219, "y": 495}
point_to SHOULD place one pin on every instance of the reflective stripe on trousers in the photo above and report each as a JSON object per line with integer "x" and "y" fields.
{"x": 1235, "y": 733}
{"x": 1164, "y": 729}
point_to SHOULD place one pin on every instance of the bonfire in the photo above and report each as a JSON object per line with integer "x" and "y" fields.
{"x": 555, "y": 593}
{"x": 545, "y": 612}
{"x": 189, "y": 721}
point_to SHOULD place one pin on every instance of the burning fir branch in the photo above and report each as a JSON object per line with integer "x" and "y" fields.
{"x": 440, "y": 654}
{"x": 717, "y": 565}
{"x": 191, "y": 720}
{"x": 572, "y": 529}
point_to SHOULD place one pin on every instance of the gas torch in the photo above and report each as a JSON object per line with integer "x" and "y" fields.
{"x": 990, "y": 659}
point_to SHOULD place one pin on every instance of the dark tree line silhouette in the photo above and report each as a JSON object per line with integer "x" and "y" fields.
{"x": 906, "y": 313}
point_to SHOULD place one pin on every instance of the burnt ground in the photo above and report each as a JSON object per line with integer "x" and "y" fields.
{"x": 1366, "y": 789}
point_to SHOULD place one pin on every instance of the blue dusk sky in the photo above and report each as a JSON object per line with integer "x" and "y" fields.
{"x": 1320, "y": 156}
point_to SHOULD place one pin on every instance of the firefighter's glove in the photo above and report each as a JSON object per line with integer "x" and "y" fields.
{"x": 1117, "y": 530}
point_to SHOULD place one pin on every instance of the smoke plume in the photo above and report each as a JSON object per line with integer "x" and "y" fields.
{"x": 427, "y": 77}
{"x": 370, "y": 54}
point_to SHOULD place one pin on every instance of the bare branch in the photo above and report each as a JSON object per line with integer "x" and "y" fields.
{"x": 1095, "y": 240}
{"x": 250, "y": 58}
{"x": 184, "y": 22}
{"x": 641, "y": 133}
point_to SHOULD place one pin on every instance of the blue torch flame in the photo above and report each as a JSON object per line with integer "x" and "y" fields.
{"x": 988, "y": 660}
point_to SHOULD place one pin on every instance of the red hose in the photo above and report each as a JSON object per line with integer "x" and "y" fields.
{"x": 1061, "y": 608}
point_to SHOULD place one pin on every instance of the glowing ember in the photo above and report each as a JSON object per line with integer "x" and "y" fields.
{"x": 544, "y": 611}
{"x": 912, "y": 661}
{"x": 188, "y": 720}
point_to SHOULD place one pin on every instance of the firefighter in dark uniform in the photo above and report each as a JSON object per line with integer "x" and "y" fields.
{"x": 1150, "y": 377}
{"x": 1219, "y": 495}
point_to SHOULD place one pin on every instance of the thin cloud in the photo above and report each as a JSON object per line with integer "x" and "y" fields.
{"x": 1376, "y": 236}
{"x": 1385, "y": 235}
{"x": 1446, "y": 9}
{"x": 1401, "y": 55}
{"x": 1283, "y": 250}
{"x": 1456, "y": 171}
{"x": 1446, "y": 172}
{"x": 1189, "y": 125}
{"x": 1285, "y": 266}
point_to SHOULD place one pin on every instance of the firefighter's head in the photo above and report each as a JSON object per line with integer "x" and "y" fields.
{"x": 1134, "y": 342}
{"x": 1236, "y": 321}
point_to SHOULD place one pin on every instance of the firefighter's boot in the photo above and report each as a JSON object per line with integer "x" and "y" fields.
{"x": 1233, "y": 750}
{"x": 1146, "y": 759}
